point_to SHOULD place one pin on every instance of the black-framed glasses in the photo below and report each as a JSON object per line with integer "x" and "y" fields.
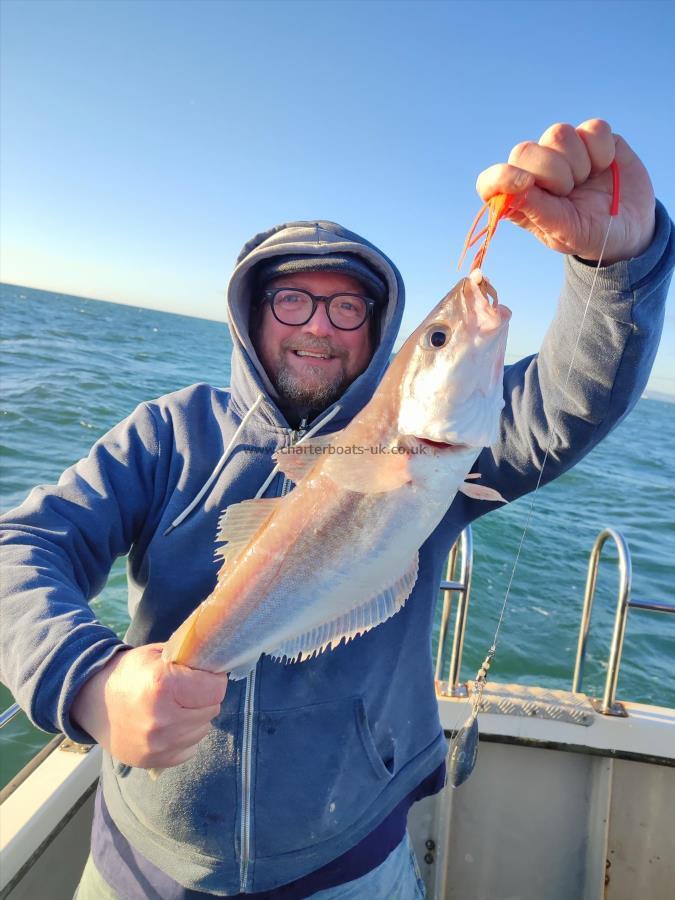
{"x": 295, "y": 306}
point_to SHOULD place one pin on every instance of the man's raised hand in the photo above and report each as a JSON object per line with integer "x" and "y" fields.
{"x": 563, "y": 187}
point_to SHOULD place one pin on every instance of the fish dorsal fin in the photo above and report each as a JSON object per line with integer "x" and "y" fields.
{"x": 296, "y": 461}
{"x": 239, "y": 523}
{"x": 357, "y": 621}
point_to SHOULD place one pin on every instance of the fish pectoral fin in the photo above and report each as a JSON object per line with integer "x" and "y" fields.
{"x": 481, "y": 492}
{"x": 357, "y": 621}
{"x": 362, "y": 469}
{"x": 296, "y": 461}
{"x": 369, "y": 470}
{"x": 239, "y": 523}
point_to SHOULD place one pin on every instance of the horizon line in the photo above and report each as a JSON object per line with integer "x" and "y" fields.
{"x": 168, "y": 312}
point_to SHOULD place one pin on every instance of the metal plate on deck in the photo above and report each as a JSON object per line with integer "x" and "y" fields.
{"x": 537, "y": 702}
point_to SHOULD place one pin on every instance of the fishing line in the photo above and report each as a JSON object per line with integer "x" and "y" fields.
{"x": 549, "y": 446}
{"x": 226, "y": 455}
{"x": 481, "y": 676}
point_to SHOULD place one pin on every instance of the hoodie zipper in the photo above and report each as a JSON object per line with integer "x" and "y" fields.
{"x": 247, "y": 746}
{"x": 247, "y": 736}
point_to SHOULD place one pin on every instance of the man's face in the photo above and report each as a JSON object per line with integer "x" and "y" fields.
{"x": 307, "y": 380}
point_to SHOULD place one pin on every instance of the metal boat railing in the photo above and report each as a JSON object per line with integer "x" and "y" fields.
{"x": 462, "y": 587}
{"x": 7, "y": 716}
{"x": 609, "y": 706}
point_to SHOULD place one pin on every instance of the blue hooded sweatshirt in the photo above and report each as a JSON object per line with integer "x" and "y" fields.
{"x": 304, "y": 760}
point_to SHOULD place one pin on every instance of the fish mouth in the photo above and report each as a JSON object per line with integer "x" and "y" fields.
{"x": 440, "y": 446}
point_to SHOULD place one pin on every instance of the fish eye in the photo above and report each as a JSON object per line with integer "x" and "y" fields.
{"x": 436, "y": 337}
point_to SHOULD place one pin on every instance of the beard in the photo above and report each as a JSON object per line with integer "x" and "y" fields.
{"x": 317, "y": 392}
{"x": 314, "y": 388}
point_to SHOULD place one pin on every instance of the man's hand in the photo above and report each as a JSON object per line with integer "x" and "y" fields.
{"x": 564, "y": 188}
{"x": 146, "y": 712}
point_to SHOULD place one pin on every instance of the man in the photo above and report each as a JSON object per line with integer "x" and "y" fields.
{"x": 297, "y": 781}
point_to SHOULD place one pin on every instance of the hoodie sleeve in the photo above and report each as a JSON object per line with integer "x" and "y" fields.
{"x": 57, "y": 551}
{"x": 616, "y": 350}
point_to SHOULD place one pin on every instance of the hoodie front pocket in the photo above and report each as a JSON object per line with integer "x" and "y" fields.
{"x": 318, "y": 770}
{"x": 194, "y": 803}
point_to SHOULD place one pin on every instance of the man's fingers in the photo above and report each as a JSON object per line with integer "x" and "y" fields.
{"x": 564, "y": 157}
{"x": 597, "y": 136}
{"x": 528, "y": 164}
{"x": 565, "y": 140}
{"x": 187, "y": 717}
{"x": 178, "y": 735}
{"x": 167, "y": 761}
{"x": 503, "y": 179}
{"x": 194, "y": 689}
{"x": 183, "y": 748}
{"x": 182, "y": 738}
{"x": 550, "y": 168}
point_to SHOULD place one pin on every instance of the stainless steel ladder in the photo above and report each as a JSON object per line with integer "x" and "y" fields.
{"x": 609, "y": 706}
{"x": 462, "y": 587}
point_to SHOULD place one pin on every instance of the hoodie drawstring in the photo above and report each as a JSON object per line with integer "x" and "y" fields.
{"x": 228, "y": 450}
{"x": 312, "y": 431}
{"x": 219, "y": 465}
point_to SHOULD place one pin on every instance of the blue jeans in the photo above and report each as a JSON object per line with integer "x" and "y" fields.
{"x": 397, "y": 878}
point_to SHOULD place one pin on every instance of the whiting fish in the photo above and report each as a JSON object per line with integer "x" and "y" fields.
{"x": 338, "y": 555}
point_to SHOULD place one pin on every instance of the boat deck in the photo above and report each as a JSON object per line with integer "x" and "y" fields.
{"x": 564, "y": 804}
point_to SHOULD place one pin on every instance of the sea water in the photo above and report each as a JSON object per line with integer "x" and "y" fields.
{"x": 73, "y": 367}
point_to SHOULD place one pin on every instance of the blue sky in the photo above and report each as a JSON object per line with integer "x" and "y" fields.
{"x": 144, "y": 142}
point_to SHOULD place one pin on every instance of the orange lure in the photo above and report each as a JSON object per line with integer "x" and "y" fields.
{"x": 496, "y": 208}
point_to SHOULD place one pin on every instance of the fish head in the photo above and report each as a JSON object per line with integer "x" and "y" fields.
{"x": 451, "y": 369}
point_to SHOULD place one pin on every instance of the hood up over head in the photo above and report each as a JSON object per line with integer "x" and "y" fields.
{"x": 335, "y": 248}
